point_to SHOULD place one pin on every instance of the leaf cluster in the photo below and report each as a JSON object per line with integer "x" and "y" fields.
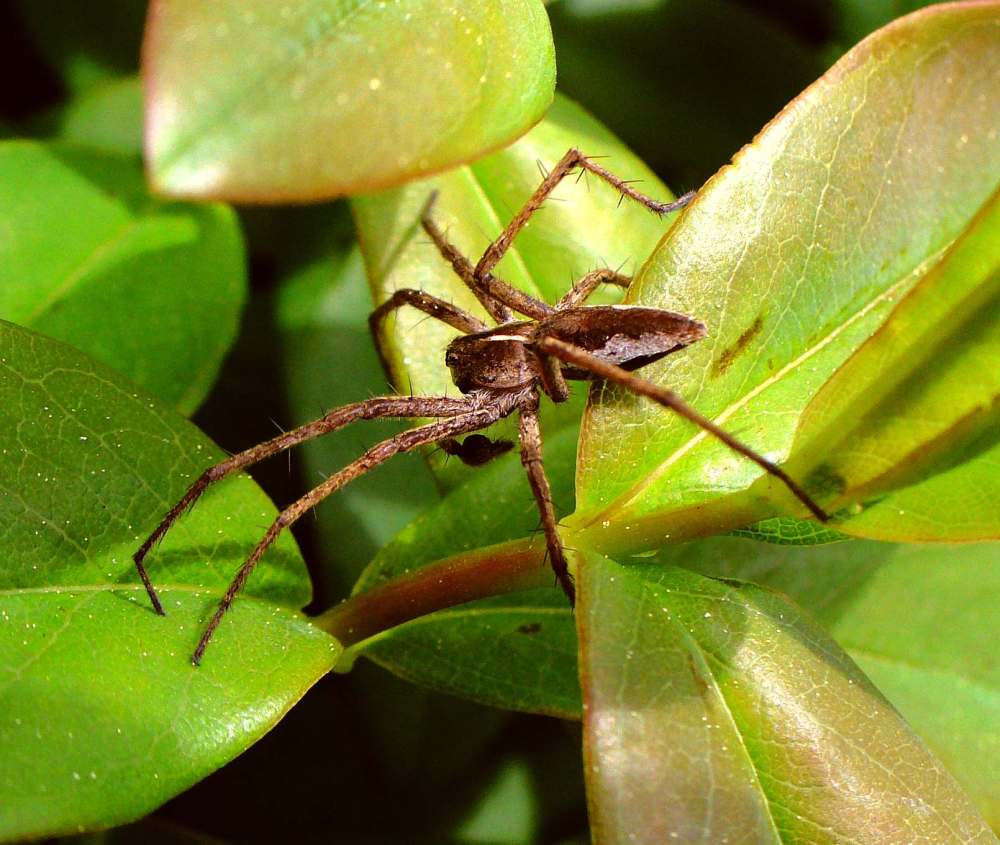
{"x": 739, "y": 673}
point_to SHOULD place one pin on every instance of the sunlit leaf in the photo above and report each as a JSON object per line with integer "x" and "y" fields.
{"x": 930, "y": 384}
{"x": 794, "y": 257}
{"x": 957, "y": 504}
{"x": 309, "y": 99}
{"x": 917, "y": 618}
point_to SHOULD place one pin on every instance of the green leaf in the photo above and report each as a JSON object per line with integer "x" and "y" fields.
{"x": 104, "y": 716}
{"x": 749, "y": 719}
{"x": 516, "y": 653}
{"x": 786, "y": 531}
{"x": 921, "y": 626}
{"x": 794, "y": 257}
{"x": 957, "y": 504}
{"x": 152, "y": 289}
{"x": 930, "y": 380}
{"x": 929, "y": 383}
{"x": 270, "y": 102}
{"x": 579, "y": 230}
{"x": 107, "y": 116}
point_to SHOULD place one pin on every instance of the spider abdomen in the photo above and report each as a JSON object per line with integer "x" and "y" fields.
{"x": 629, "y": 336}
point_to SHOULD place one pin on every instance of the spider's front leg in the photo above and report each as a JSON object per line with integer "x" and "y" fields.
{"x": 531, "y": 458}
{"x": 589, "y": 283}
{"x": 430, "y": 305}
{"x": 569, "y": 162}
{"x": 497, "y": 296}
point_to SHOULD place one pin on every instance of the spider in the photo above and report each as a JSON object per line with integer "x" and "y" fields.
{"x": 500, "y": 371}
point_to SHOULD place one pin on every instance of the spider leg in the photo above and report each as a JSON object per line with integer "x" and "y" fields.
{"x": 387, "y": 406}
{"x": 589, "y": 283}
{"x": 552, "y": 378}
{"x": 377, "y": 454}
{"x": 573, "y": 158}
{"x": 497, "y": 296}
{"x": 430, "y": 305}
{"x": 531, "y": 458}
{"x": 584, "y": 360}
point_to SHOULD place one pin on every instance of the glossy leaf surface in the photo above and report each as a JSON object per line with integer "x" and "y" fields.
{"x": 310, "y": 99}
{"x": 104, "y": 716}
{"x": 153, "y": 289}
{"x": 754, "y": 726}
{"x": 795, "y": 256}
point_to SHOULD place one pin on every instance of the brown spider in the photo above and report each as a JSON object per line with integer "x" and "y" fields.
{"x": 499, "y": 370}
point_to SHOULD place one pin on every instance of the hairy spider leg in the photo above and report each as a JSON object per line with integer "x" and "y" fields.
{"x": 573, "y": 158}
{"x": 531, "y": 459}
{"x": 430, "y": 305}
{"x": 497, "y": 296}
{"x": 378, "y": 454}
{"x": 578, "y": 357}
{"x": 377, "y": 408}
{"x": 584, "y": 287}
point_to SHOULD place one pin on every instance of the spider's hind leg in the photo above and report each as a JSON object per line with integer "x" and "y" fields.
{"x": 377, "y": 408}
{"x": 580, "y": 358}
{"x": 378, "y": 454}
{"x": 531, "y": 458}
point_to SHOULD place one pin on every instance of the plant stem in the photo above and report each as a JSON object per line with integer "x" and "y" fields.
{"x": 505, "y": 568}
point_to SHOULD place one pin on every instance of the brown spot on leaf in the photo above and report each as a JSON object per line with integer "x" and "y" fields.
{"x": 825, "y": 481}
{"x": 529, "y": 628}
{"x": 726, "y": 359}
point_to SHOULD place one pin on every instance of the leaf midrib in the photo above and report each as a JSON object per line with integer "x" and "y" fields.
{"x": 81, "y": 271}
{"x": 702, "y": 656}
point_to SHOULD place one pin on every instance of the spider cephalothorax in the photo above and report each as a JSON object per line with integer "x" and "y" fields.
{"x": 500, "y": 370}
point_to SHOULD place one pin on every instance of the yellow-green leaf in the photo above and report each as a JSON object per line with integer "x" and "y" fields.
{"x": 270, "y": 102}
{"x": 794, "y": 257}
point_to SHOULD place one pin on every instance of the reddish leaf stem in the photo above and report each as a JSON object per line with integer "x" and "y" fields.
{"x": 495, "y": 570}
